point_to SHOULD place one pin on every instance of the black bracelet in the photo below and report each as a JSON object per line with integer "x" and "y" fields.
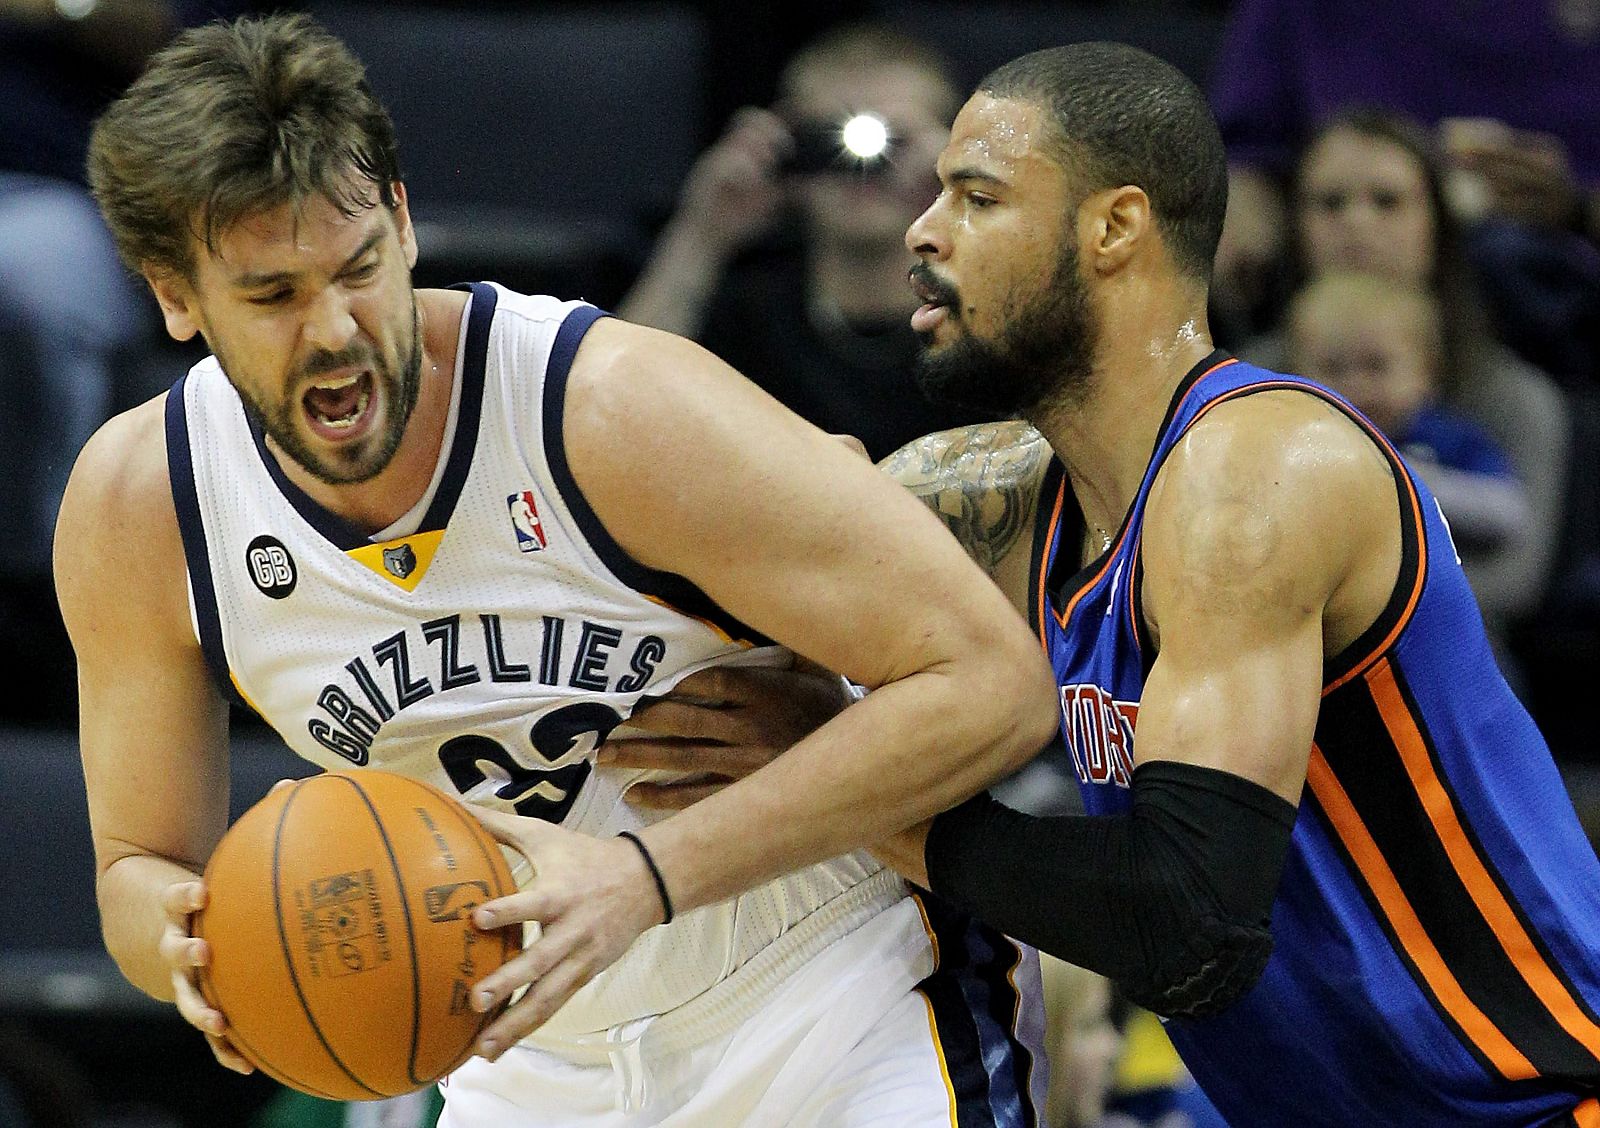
{"x": 650, "y": 863}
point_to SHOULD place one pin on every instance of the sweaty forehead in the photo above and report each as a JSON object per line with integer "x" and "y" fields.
{"x": 1000, "y": 137}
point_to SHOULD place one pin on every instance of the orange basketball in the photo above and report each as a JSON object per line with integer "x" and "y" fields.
{"x": 342, "y": 948}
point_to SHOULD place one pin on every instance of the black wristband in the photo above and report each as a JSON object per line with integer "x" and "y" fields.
{"x": 650, "y": 864}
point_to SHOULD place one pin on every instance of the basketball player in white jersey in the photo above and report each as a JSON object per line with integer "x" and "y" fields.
{"x": 460, "y": 534}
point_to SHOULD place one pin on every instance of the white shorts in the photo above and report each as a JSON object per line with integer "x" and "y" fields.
{"x": 842, "y": 1043}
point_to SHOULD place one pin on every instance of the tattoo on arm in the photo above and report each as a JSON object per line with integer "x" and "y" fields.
{"x": 982, "y": 481}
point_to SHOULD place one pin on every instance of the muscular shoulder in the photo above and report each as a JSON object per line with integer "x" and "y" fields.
{"x": 118, "y": 508}
{"x": 1273, "y": 499}
{"x": 983, "y": 481}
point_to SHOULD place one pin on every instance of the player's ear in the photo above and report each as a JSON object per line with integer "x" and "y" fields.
{"x": 177, "y": 301}
{"x": 402, "y": 224}
{"x": 1120, "y": 220}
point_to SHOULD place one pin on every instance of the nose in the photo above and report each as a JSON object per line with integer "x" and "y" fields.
{"x": 927, "y": 236}
{"x": 329, "y": 323}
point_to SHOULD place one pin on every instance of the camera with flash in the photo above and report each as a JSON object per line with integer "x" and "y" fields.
{"x": 860, "y": 144}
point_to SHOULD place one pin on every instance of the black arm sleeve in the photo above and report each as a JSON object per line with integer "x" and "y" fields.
{"x": 1172, "y": 902}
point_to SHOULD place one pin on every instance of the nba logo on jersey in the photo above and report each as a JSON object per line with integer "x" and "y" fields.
{"x": 525, "y": 521}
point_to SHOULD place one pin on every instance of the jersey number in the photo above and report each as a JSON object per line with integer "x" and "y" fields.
{"x": 540, "y": 793}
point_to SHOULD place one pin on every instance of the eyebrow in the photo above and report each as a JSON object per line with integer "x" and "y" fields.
{"x": 970, "y": 174}
{"x": 255, "y": 281}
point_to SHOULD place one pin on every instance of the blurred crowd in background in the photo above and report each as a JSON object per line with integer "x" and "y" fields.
{"x": 1414, "y": 220}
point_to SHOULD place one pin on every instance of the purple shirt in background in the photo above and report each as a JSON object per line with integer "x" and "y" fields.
{"x": 1285, "y": 66}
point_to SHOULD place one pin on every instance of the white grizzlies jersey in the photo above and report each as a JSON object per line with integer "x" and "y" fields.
{"x": 490, "y": 651}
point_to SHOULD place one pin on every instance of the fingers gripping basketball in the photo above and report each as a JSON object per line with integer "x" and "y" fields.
{"x": 342, "y": 945}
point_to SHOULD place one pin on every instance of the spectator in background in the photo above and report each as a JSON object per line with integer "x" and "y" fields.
{"x": 70, "y": 315}
{"x": 66, "y": 304}
{"x": 1522, "y": 72}
{"x": 1369, "y": 196}
{"x": 823, "y": 325}
{"x": 1379, "y": 343}
{"x": 1082, "y": 1040}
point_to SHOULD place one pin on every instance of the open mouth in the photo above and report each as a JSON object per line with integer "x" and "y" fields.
{"x": 340, "y": 404}
{"x": 336, "y": 406}
{"x": 937, "y": 300}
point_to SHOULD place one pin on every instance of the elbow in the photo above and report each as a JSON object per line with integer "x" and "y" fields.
{"x": 1202, "y": 971}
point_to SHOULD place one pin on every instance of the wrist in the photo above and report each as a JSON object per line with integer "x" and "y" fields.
{"x": 657, "y": 881}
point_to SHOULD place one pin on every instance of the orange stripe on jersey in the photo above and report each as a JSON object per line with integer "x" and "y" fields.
{"x": 1469, "y": 866}
{"x": 1402, "y": 918}
{"x": 1587, "y": 1115}
{"x": 1422, "y": 568}
{"x": 1111, "y": 554}
{"x": 1044, "y": 564}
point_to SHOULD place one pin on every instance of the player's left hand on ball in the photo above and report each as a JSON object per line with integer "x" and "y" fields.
{"x": 592, "y": 898}
{"x": 720, "y": 725}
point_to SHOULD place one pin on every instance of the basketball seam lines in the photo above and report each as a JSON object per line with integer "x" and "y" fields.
{"x": 288, "y": 955}
{"x": 411, "y": 935}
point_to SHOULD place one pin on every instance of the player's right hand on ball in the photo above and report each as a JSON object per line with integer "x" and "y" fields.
{"x": 185, "y": 955}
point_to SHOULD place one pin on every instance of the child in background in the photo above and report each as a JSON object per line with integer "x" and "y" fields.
{"x": 1379, "y": 342}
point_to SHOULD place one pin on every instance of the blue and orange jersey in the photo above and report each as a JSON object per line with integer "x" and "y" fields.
{"x": 1437, "y": 926}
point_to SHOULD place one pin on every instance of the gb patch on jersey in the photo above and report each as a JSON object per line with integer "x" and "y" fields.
{"x": 271, "y": 567}
{"x": 525, "y": 521}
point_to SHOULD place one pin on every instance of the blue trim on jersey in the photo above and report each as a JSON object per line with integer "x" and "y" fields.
{"x": 668, "y": 587}
{"x": 474, "y": 367}
{"x": 186, "y": 500}
{"x": 975, "y": 1007}
{"x": 344, "y": 535}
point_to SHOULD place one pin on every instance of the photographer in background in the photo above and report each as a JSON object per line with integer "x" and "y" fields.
{"x": 787, "y": 255}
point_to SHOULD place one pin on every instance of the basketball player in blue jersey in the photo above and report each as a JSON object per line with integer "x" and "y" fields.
{"x": 460, "y": 534}
{"x": 1322, "y": 835}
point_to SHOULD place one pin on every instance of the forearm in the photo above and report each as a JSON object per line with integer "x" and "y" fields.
{"x": 858, "y": 779}
{"x": 674, "y": 290}
{"x": 1171, "y": 901}
{"x": 131, "y": 918}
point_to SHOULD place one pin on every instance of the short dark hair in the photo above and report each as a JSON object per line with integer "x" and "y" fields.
{"x": 232, "y": 119}
{"x": 1125, "y": 117}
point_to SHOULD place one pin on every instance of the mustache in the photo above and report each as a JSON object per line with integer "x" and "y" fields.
{"x": 931, "y": 288}
{"x": 323, "y": 361}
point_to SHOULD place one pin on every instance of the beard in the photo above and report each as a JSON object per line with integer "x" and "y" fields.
{"x": 1045, "y": 352}
{"x": 366, "y": 458}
